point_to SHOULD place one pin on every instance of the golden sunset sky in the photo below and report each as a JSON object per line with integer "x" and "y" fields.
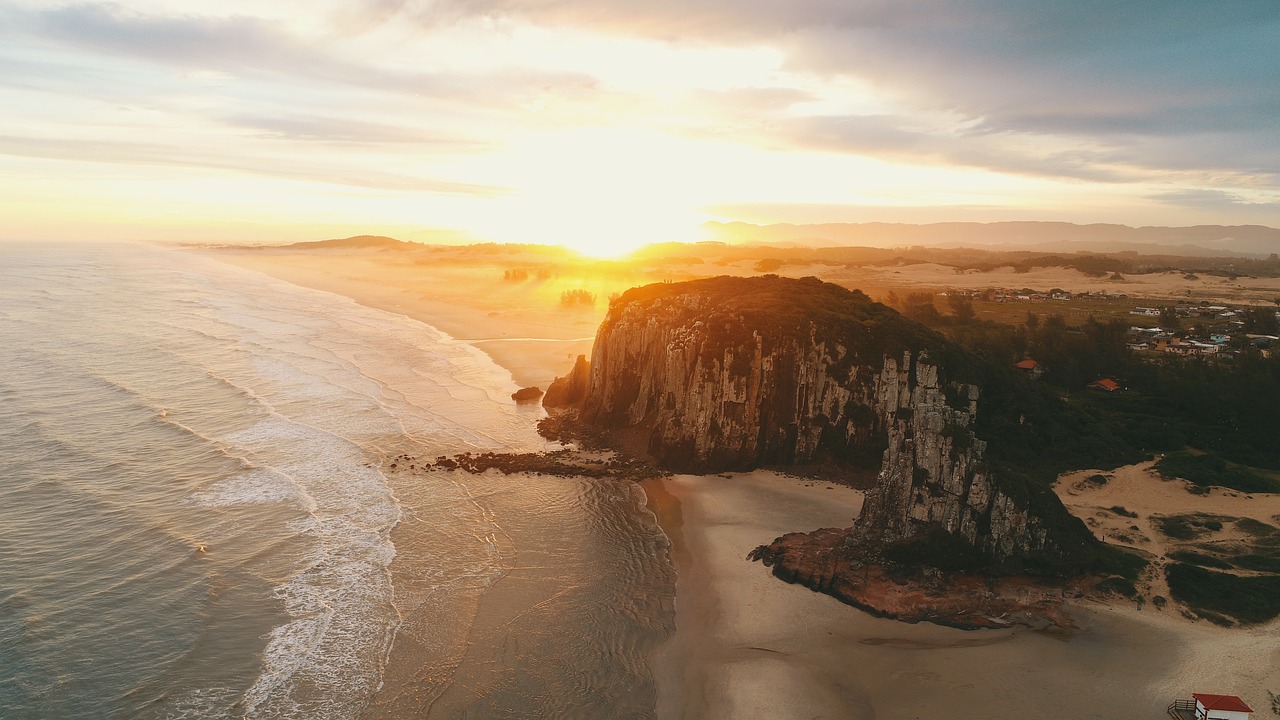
{"x": 605, "y": 124}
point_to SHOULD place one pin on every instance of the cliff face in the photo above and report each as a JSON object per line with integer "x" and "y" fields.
{"x": 934, "y": 475}
{"x": 732, "y": 373}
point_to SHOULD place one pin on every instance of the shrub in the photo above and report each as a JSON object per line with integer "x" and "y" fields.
{"x": 1119, "y": 586}
{"x": 572, "y": 298}
{"x": 1188, "y": 527}
{"x": 1114, "y": 560}
{"x": 1195, "y": 558}
{"x": 1259, "y": 562}
{"x": 1256, "y": 528}
{"x": 1208, "y": 592}
{"x": 1208, "y": 469}
{"x": 935, "y": 548}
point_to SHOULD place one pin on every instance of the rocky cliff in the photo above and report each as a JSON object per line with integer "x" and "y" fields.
{"x": 733, "y": 373}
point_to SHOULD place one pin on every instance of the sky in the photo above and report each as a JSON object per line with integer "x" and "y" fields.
{"x": 605, "y": 124}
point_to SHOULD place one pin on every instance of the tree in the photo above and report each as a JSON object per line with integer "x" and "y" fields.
{"x": 579, "y": 296}
{"x": 961, "y": 307}
{"x": 1260, "y": 320}
{"x": 1169, "y": 317}
{"x": 919, "y": 307}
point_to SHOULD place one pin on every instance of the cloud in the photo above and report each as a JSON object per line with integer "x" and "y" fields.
{"x": 134, "y": 153}
{"x": 243, "y": 45}
{"x": 346, "y": 130}
{"x": 1117, "y": 76}
{"x": 1211, "y": 200}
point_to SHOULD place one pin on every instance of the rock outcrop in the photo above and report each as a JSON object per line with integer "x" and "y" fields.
{"x": 527, "y": 394}
{"x": 571, "y": 389}
{"x": 734, "y": 373}
{"x": 935, "y": 478}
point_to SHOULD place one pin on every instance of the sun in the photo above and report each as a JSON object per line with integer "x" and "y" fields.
{"x": 591, "y": 225}
{"x": 601, "y": 193}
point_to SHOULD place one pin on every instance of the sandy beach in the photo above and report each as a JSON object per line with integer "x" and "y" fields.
{"x": 1242, "y": 661}
{"x": 520, "y": 325}
{"x": 750, "y": 646}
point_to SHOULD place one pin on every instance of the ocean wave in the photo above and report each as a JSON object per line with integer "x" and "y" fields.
{"x": 328, "y": 658}
{"x": 253, "y": 487}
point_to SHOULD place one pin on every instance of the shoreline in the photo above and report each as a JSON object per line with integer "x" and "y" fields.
{"x": 749, "y": 645}
{"x": 535, "y": 346}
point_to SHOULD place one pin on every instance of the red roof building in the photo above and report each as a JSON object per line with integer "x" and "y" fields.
{"x": 1105, "y": 384}
{"x": 1027, "y": 364}
{"x": 1220, "y": 707}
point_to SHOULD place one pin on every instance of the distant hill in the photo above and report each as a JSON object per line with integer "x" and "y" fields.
{"x": 1199, "y": 240}
{"x": 356, "y": 242}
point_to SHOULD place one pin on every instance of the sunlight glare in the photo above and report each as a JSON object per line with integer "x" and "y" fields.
{"x": 602, "y": 193}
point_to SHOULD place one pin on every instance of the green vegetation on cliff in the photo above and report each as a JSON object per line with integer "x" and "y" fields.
{"x": 1031, "y": 433}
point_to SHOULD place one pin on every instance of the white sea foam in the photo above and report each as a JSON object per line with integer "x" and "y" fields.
{"x": 201, "y": 704}
{"x": 341, "y": 598}
{"x": 318, "y": 384}
{"x": 257, "y": 486}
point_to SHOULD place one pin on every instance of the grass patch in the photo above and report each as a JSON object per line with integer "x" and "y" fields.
{"x": 1208, "y": 592}
{"x": 1199, "y": 559}
{"x": 1256, "y": 528}
{"x": 1119, "y": 586}
{"x": 1121, "y": 510}
{"x": 1098, "y": 480}
{"x": 1188, "y": 527}
{"x": 1114, "y": 560}
{"x": 1259, "y": 562}
{"x": 1208, "y": 470}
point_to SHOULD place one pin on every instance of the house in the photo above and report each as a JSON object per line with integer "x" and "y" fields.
{"x": 1210, "y": 707}
{"x": 1220, "y": 707}
{"x": 1032, "y": 368}
{"x": 1105, "y": 385}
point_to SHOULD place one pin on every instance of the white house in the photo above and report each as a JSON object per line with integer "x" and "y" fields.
{"x": 1220, "y": 707}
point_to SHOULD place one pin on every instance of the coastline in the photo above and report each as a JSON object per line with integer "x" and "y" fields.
{"x": 748, "y": 645}
{"x": 470, "y": 304}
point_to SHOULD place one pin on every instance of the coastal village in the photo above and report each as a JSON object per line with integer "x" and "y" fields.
{"x": 1213, "y": 331}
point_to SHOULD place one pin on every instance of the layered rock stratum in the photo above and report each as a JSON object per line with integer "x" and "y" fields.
{"x": 734, "y": 373}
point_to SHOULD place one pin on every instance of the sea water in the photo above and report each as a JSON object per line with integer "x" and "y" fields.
{"x": 199, "y": 519}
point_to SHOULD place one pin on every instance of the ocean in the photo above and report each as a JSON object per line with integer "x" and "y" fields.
{"x": 199, "y": 517}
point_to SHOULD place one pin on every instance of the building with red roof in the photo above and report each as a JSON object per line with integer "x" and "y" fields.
{"x": 1105, "y": 384}
{"x": 1220, "y": 707}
